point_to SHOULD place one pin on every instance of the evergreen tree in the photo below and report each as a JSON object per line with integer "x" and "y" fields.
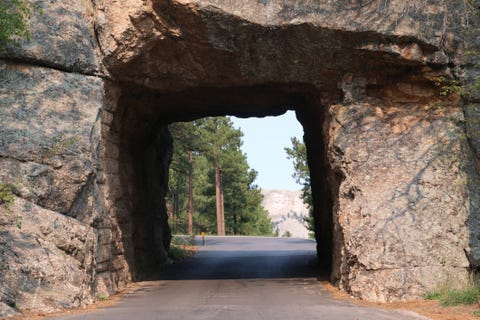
{"x": 298, "y": 153}
{"x": 223, "y": 142}
{"x": 187, "y": 141}
{"x": 223, "y": 192}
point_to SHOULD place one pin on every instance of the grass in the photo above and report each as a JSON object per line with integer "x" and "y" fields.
{"x": 102, "y": 297}
{"x": 447, "y": 295}
{"x": 178, "y": 253}
{"x": 6, "y": 194}
{"x": 181, "y": 247}
{"x": 183, "y": 240}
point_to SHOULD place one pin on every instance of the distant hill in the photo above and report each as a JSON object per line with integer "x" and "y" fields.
{"x": 287, "y": 211}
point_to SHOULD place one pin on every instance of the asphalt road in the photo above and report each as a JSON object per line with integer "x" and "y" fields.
{"x": 240, "y": 278}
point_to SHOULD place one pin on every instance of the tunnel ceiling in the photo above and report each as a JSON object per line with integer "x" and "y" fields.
{"x": 175, "y": 45}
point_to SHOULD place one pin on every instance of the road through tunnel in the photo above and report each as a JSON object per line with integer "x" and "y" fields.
{"x": 146, "y": 150}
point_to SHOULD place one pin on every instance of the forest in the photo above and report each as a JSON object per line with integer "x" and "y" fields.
{"x": 211, "y": 186}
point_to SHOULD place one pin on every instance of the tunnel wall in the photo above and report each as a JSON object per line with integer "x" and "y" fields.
{"x": 408, "y": 192}
{"x": 84, "y": 104}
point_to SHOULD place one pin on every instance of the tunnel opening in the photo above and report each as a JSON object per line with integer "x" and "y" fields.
{"x": 254, "y": 187}
{"x": 140, "y": 134}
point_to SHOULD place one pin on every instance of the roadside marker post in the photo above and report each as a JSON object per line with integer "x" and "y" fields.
{"x": 203, "y": 238}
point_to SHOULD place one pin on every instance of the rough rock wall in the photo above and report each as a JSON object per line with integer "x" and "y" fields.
{"x": 84, "y": 106}
{"x": 279, "y": 41}
{"x": 407, "y": 199}
{"x": 49, "y": 132}
{"x": 56, "y": 240}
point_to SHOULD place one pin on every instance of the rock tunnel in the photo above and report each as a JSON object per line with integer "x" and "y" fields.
{"x": 145, "y": 152}
{"x": 377, "y": 128}
{"x": 393, "y": 161}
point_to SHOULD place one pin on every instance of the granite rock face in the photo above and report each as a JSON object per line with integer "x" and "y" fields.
{"x": 227, "y": 43}
{"x": 48, "y": 164}
{"x": 47, "y": 261}
{"x": 62, "y": 37}
{"x": 397, "y": 221}
{"x": 84, "y": 145}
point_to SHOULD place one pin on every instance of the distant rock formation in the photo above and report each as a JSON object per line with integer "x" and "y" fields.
{"x": 287, "y": 211}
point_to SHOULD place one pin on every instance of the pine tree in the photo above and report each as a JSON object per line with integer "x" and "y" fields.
{"x": 298, "y": 153}
{"x": 224, "y": 196}
{"x": 187, "y": 142}
{"x": 222, "y": 142}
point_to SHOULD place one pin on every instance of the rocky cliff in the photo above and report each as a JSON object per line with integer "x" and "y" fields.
{"x": 84, "y": 145}
{"x": 287, "y": 211}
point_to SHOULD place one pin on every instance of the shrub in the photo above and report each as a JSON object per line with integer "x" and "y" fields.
{"x": 14, "y": 15}
{"x": 178, "y": 253}
{"x": 6, "y": 194}
{"x": 449, "y": 296}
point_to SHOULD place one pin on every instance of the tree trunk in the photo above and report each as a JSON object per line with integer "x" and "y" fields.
{"x": 190, "y": 193}
{"x": 219, "y": 202}
{"x": 235, "y": 228}
{"x": 222, "y": 205}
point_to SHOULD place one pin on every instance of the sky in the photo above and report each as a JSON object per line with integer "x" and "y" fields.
{"x": 264, "y": 141}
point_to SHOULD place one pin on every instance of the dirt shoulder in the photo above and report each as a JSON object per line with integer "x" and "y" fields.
{"x": 428, "y": 308}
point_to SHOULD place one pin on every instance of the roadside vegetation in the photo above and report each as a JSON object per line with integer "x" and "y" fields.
{"x": 182, "y": 247}
{"x": 448, "y": 295}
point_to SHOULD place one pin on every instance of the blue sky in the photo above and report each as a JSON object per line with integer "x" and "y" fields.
{"x": 263, "y": 142}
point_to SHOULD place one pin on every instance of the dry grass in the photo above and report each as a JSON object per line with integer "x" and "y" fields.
{"x": 428, "y": 308}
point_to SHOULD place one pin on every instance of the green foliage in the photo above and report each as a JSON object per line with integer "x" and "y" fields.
{"x": 14, "y": 15}
{"x": 102, "y": 297}
{"x": 61, "y": 144}
{"x": 298, "y": 154}
{"x": 214, "y": 142}
{"x": 186, "y": 138}
{"x": 450, "y": 86}
{"x": 183, "y": 240}
{"x": 6, "y": 194}
{"x": 448, "y": 295}
{"x": 277, "y": 232}
{"x": 472, "y": 47}
{"x": 287, "y": 234}
{"x": 177, "y": 252}
{"x": 433, "y": 295}
{"x": 12, "y": 304}
{"x": 467, "y": 88}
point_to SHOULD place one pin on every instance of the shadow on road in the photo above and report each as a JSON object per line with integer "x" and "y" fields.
{"x": 242, "y": 265}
